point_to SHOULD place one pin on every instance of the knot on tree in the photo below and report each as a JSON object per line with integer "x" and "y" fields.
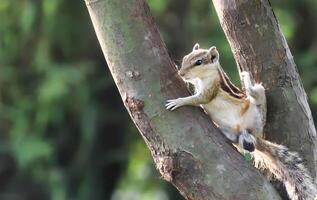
{"x": 178, "y": 167}
{"x": 133, "y": 104}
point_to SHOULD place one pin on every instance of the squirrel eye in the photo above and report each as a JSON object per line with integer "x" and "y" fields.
{"x": 198, "y": 62}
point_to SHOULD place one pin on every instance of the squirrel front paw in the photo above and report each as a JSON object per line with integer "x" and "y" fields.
{"x": 246, "y": 79}
{"x": 245, "y": 75}
{"x": 172, "y": 104}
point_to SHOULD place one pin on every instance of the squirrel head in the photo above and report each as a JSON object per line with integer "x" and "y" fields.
{"x": 199, "y": 62}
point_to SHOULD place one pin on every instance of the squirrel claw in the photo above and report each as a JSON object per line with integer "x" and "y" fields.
{"x": 172, "y": 104}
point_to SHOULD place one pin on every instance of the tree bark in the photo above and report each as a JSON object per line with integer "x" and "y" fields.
{"x": 259, "y": 47}
{"x": 187, "y": 149}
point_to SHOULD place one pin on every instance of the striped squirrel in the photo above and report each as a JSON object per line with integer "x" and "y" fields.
{"x": 241, "y": 117}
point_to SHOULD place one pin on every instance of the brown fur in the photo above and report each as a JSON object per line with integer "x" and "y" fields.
{"x": 237, "y": 129}
{"x": 191, "y": 59}
{"x": 228, "y": 86}
{"x": 245, "y": 106}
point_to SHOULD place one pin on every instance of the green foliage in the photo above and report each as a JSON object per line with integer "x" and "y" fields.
{"x": 158, "y": 6}
{"x": 137, "y": 182}
{"x": 287, "y": 22}
{"x": 64, "y": 132}
{"x": 248, "y": 157}
{"x": 26, "y": 151}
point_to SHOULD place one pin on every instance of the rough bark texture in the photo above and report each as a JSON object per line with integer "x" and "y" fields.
{"x": 260, "y": 48}
{"x": 187, "y": 149}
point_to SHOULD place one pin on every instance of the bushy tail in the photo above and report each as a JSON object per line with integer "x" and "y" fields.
{"x": 287, "y": 167}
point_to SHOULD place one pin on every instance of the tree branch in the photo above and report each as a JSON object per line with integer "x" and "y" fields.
{"x": 187, "y": 149}
{"x": 260, "y": 48}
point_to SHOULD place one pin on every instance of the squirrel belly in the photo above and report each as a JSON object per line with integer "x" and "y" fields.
{"x": 233, "y": 113}
{"x": 225, "y": 111}
{"x": 241, "y": 117}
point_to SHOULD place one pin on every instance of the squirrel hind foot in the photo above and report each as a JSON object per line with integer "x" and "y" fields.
{"x": 249, "y": 146}
{"x": 247, "y": 141}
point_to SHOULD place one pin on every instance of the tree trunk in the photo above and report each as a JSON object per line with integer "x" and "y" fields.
{"x": 260, "y": 48}
{"x": 187, "y": 149}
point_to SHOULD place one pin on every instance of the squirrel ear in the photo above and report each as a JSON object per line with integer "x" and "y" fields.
{"x": 212, "y": 49}
{"x": 196, "y": 47}
{"x": 213, "y": 54}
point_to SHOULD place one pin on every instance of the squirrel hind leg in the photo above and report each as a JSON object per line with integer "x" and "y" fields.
{"x": 247, "y": 141}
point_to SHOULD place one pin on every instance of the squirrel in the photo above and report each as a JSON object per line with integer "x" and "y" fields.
{"x": 241, "y": 116}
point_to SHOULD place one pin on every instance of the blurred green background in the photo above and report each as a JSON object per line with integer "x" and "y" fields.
{"x": 64, "y": 133}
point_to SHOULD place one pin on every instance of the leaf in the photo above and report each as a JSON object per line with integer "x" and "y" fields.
{"x": 28, "y": 151}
